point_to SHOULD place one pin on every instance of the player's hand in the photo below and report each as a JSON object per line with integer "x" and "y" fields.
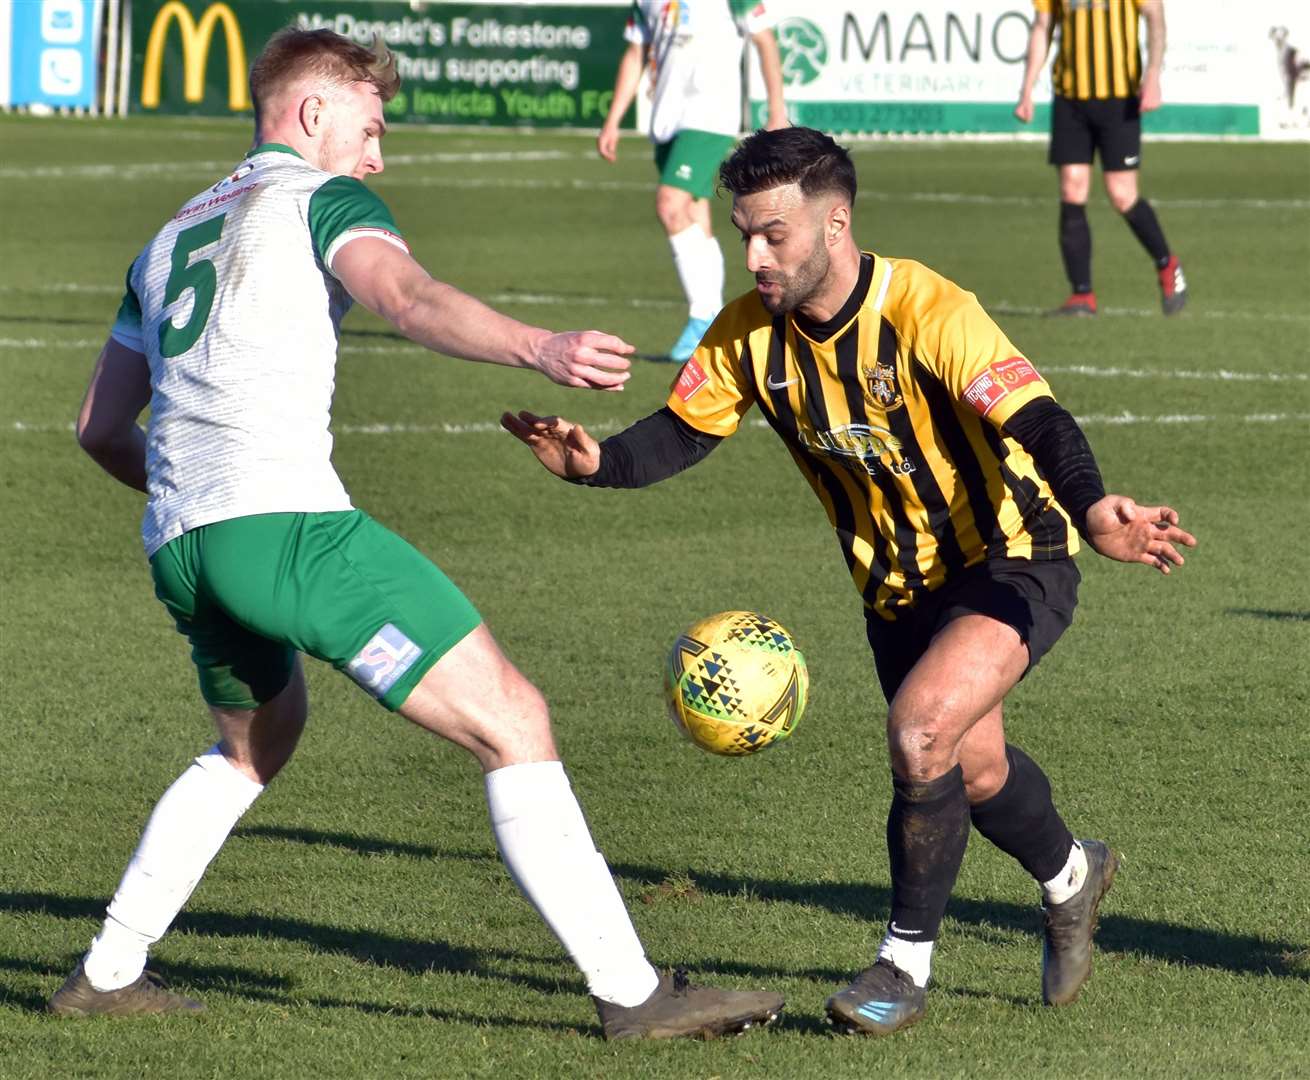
{"x": 587, "y": 359}
{"x": 1150, "y": 95}
{"x": 1120, "y": 529}
{"x": 607, "y": 143}
{"x": 562, "y": 446}
{"x": 1023, "y": 112}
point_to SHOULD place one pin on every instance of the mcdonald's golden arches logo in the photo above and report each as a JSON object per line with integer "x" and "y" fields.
{"x": 196, "y": 40}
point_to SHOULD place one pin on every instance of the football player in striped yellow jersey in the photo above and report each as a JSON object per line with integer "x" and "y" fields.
{"x": 1100, "y": 91}
{"x": 959, "y": 491}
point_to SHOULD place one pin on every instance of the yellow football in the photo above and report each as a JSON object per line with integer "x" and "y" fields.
{"x": 735, "y": 683}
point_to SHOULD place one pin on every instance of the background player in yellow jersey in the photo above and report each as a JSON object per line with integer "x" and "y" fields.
{"x": 958, "y": 489}
{"x": 1100, "y": 91}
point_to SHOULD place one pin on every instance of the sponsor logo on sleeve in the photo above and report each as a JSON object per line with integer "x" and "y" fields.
{"x": 997, "y": 381}
{"x": 1015, "y": 372}
{"x": 690, "y": 379}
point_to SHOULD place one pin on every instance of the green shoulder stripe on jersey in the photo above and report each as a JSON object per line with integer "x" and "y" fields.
{"x": 129, "y": 311}
{"x": 345, "y": 203}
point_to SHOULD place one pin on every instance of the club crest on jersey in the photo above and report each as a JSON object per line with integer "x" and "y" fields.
{"x": 387, "y": 655}
{"x": 860, "y": 446}
{"x": 881, "y": 383}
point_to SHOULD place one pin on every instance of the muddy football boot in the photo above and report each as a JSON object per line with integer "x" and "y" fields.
{"x": 882, "y": 999}
{"x": 148, "y": 995}
{"x": 1067, "y": 951}
{"x": 677, "y": 1008}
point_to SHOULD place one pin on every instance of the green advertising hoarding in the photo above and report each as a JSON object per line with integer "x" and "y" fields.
{"x": 501, "y": 64}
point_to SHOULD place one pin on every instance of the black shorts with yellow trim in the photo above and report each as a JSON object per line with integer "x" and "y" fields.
{"x": 1036, "y": 597}
{"x": 1108, "y": 127}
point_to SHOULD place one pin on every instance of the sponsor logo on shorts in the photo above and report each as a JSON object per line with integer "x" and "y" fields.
{"x": 997, "y": 381}
{"x": 379, "y": 665}
{"x": 684, "y": 172}
{"x": 690, "y": 379}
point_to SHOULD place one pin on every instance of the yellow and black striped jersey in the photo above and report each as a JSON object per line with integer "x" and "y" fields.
{"x": 893, "y": 412}
{"x": 1097, "y": 51}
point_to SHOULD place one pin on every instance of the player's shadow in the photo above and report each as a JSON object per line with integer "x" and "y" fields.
{"x": 1267, "y": 613}
{"x": 1189, "y": 946}
{"x": 414, "y": 956}
{"x": 207, "y": 980}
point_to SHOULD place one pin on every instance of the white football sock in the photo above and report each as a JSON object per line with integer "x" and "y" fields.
{"x": 1069, "y": 880}
{"x": 547, "y": 848}
{"x": 912, "y": 957}
{"x": 699, "y": 262}
{"x": 188, "y": 826}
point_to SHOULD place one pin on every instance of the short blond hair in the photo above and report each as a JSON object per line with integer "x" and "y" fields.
{"x": 292, "y": 54}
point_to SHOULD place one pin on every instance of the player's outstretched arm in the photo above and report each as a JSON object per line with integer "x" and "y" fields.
{"x": 1120, "y": 529}
{"x": 106, "y": 425}
{"x": 390, "y": 283}
{"x": 653, "y": 449}
{"x": 562, "y": 446}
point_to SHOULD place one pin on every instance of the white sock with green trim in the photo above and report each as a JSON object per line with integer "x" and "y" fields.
{"x": 547, "y": 848}
{"x": 184, "y": 833}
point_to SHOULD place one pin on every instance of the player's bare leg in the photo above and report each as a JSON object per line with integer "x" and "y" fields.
{"x": 186, "y": 830}
{"x": 698, "y": 259}
{"x": 477, "y": 699}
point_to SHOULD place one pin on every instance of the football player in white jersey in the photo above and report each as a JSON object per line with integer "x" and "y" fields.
{"x": 691, "y": 51}
{"x": 228, "y": 332}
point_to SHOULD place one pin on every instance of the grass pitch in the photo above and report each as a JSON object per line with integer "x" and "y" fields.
{"x": 360, "y": 924}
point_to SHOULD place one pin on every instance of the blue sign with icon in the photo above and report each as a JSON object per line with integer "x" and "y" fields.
{"x": 54, "y": 52}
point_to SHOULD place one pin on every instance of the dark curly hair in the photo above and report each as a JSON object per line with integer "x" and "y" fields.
{"x": 793, "y": 155}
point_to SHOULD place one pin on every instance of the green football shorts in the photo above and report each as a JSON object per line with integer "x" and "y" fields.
{"x": 249, "y": 592}
{"x": 691, "y": 160}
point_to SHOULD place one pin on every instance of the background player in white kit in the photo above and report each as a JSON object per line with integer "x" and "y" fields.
{"x": 228, "y": 331}
{"x": 693, "y": 50}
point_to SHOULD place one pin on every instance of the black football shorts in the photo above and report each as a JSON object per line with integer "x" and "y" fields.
{"x": 1110, "y": 127}
{"x": 1036, "y": 597}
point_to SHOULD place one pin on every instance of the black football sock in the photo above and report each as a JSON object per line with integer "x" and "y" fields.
{"x": 1076, "y": 246}
{"x": 927, "y": 830}
{"x": 1146, "y": 227}
{"x": 1022, "y": 821}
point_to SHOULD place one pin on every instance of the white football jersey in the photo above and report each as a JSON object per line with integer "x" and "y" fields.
{"x": 694, "y": 60}
{"x": 235, "y": 306}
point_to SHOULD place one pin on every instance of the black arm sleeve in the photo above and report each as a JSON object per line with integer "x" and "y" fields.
{"x": 1062, "y": 454}
{"x": 652, "y": 450}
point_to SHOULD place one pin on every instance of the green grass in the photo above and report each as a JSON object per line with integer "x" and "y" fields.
{"x": 359, "y": 923}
